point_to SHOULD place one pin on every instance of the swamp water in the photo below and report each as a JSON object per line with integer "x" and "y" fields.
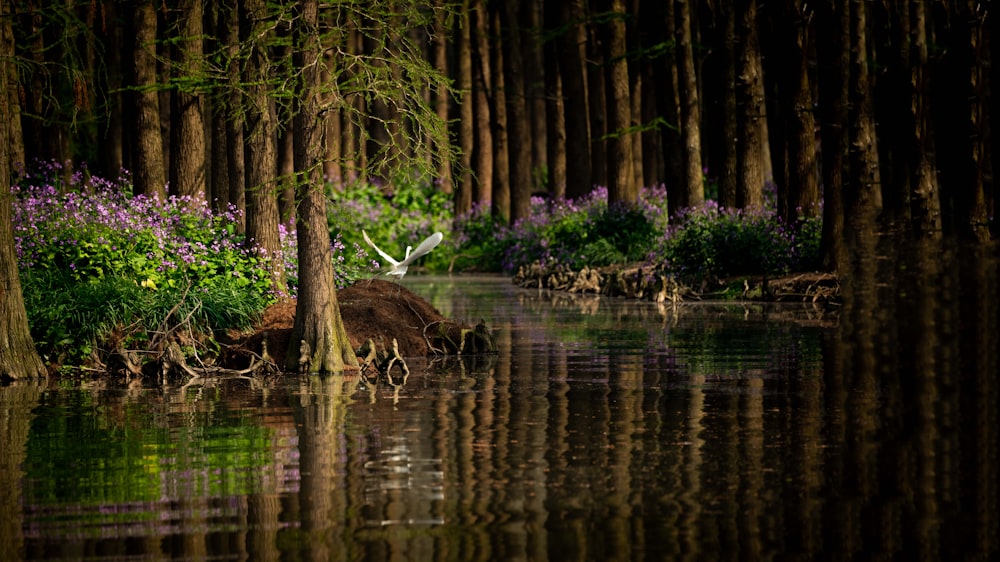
{"x": 605, "y": 429}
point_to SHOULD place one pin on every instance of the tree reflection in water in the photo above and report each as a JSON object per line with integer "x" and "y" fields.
{"x": 604, "y": 429}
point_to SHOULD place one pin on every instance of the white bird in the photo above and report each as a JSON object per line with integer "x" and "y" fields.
{"x": 398, "y": 268}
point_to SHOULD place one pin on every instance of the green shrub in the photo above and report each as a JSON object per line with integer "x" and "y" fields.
{"x": 710, "y": 242}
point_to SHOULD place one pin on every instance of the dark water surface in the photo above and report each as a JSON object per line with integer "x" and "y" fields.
{"x": 604, "y": 430}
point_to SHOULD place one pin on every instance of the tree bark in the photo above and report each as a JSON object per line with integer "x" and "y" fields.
{"x": 520, "y": 142}
{"x": 555, "y": 114}
{"x": 750, "y": 108}
{"x": 668, "y": 101}
{"x": 442, "y": 98}
{"x": 597, "y": 99}
{"x": 621, "y": 179}
{"x": 482, "y": 87}
{"x": 319, "y": 342}
{"x": 261, "y": 153}
{"x": 18, "y": 358}
{"x": 466, "y": 125}
{"x": 862, "y": 195}
{"x": 501, "y": 141}
{"x": 834, "y": 62}
{"x": 235, "y": 155}
{"x": 729, "y": 168}
{"x": 187, "y": 165}
{"x": 149, "y": 173}
{"x": 925, "y": 197}
{"x": 574, "y": 84}
{"x": 802, "y": 187}
{"x": 960, "y": 124}
{"x": 693, "y": 193}
{"x": 534, "y": 77}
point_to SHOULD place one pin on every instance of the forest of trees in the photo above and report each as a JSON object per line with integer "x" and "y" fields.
{"x": 247, "y": 101}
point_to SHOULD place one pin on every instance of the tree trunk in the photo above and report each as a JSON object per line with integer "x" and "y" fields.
{"x": 149, "y": 173}
{"x": 862, "y": 194}
{"x": 960, "y": 125}
{"x": 750, "y": 108}
{"x": 729, "y": 168}
{"x": 597, "y": 108}
{"x": 332, "y": 135}
{"x": 286, "y": 170}
{"x": 319, "y": 342}
{"x": 800, "y": 125}
{"x": 534, "y": 76}
{"x": 693, "y": 193}
{"x": 574, "y": 85}
{"x": 261, "y": 152}
{"x": 621, "y": 179}
{"x": 442, "y": 98}
{"x": 669, "y": 102}
{"x": 501, "y": 146}
{"x": 925, "y": 201}
{"x": 834, "y": 62}
{"x": 18, "y": 358}
{"x": 555, "y": 114}
{"x": 466, "y": 125}
{"x": 233, "y": 95}
{"x": 187, "y": 165}
{"x": 111, "y": 147}
{"x": 482, "y": 87}
{"x": 520, "y": 141}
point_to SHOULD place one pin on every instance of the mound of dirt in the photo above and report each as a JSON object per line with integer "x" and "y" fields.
{"x": 377, "y": 310}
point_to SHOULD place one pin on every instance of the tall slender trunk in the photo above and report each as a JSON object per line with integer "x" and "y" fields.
{"x": 520, "y": 143}
{"x": 750, "y": 108}
{"x": 235, "y": 157}
{"x": 693, "y": 193}
{"x": 149, "y": 173}
{"x": 442, "y": 98}
{"x": 261, "y": 153}
{"x": 187, "y": 136}
{"x": 18, "y": 358}
{"x": 319, "y": 342}
{"x": 834, "y": 62}
{"x": 863, "y": 190}
{"x": 597, "y": 98}
{"x": 555, "y": 114}
{"x": 729, "y": 168}
{"x": 574, "y": 79}
{"x": 501, "y": 146}
{"x": 534, "y": 76}
{"x": 482, "y": 86}
{"x": 621, "y": 179}
{"x": 466, "y": 126}
{"x": 925, "y": 201}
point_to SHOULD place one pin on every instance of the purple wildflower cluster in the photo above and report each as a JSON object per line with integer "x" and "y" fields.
{"x": 713, "y": 241}
{"x": 92, "y": 228}
{"x": 564, "y": 231}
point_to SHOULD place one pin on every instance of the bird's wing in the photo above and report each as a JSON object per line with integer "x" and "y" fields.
{"x": 426, "y": 246}
{"x": 384, "y": 255}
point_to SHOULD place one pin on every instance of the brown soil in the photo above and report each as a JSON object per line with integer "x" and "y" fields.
{"x": 377, "y": 310}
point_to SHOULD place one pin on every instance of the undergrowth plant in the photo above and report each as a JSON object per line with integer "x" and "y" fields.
{"x": 712, "y": 242}
{"x": 95, "y": 259}
{"x": 396, "y": 214}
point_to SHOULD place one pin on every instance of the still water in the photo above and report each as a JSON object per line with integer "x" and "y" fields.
{"x": 603, "y": 430}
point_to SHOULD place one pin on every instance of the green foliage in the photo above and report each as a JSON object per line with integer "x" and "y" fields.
{"x": 69, "y": 319}
{"x": 101, "y": 263}
{"x": 479, "y": 242}
{"x": 572, "y": 232}
{"x": 396, "y": 215}
{"x": 713, "y": 243}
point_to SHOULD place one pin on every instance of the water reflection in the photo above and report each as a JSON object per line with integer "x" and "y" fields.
{"x": 603, "y": 430}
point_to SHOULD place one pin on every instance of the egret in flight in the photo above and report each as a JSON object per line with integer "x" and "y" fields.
{"x": 397, "y": 269}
